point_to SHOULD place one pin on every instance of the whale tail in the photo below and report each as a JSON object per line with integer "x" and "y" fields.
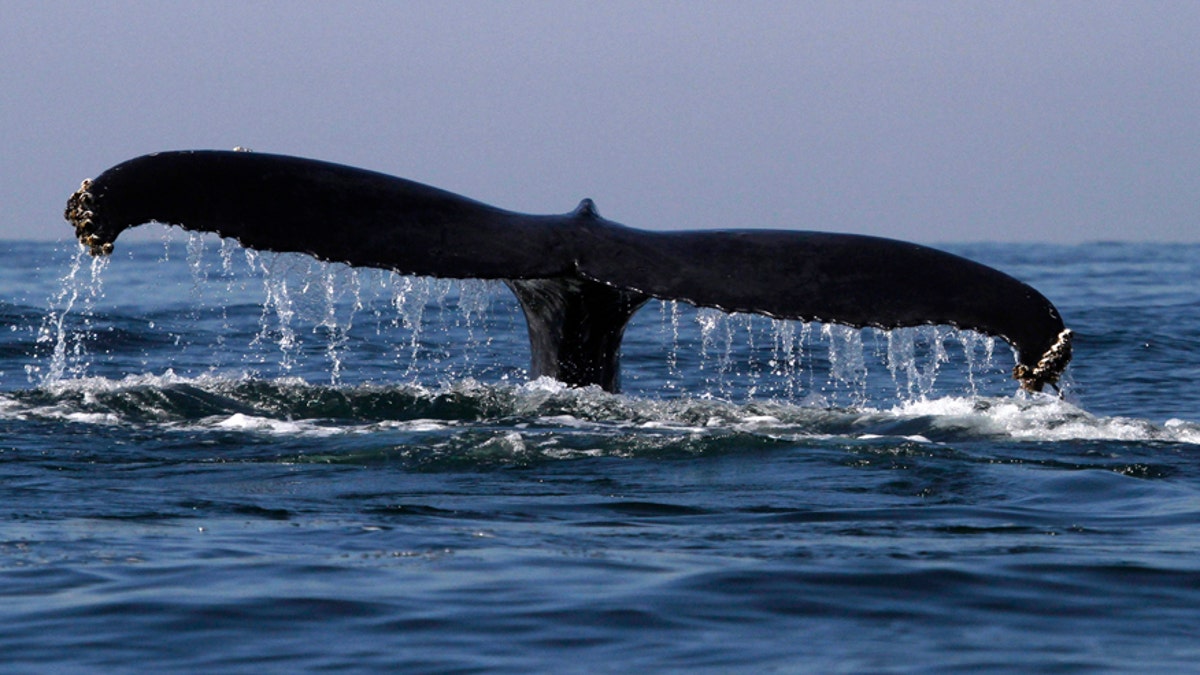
{"x": 578, "y": 277}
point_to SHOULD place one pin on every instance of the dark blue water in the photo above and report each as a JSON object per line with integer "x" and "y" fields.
{"x": 215, "y": 461}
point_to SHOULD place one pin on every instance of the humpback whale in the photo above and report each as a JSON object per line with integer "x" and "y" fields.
{"x": 578, "y": 277}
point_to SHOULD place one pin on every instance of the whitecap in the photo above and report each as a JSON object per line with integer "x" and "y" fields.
{"x": 407, "y": 425}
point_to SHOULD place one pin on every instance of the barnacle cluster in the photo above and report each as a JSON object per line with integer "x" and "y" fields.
{"x": 79, "y": 213}
{"x": 1049, "y": 368}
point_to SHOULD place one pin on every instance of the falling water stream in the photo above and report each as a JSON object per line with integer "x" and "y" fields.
{"x": 442, "y": 329}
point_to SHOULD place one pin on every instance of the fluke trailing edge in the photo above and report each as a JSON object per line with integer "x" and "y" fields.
{"x": 578, "y": 277}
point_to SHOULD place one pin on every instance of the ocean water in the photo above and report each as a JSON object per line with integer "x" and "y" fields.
{"x": 215, "y": 460}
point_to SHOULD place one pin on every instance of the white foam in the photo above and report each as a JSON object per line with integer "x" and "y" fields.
{"x": 1021, "y": 417}
{"x": 562, "y": 421}
{"x": 547, "y": 385}
{"x": 673, "y": 425}
{"x": 307, "y": 428}
{"x": 760, "y": 420}
{"x": 94, "y": 385}
{"x": 242, "y": 422}
{"x": 1188, "y": 432}
{"x": 9, "y": 408}
{"x": 916, "y": 438}
{"x": 92, "y": 418}
{"x": 1043, "y": 418}
{"x": 407, "y": 425}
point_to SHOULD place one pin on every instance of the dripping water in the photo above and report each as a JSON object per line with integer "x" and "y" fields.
{"x": 315, "y": 318}
{"x": 847, "y": 361}
{"x": 671, "y": 326}
{"x": 67, "y": 338}
{"x": 276, "y": 276}
{"x": 747, "y": 356}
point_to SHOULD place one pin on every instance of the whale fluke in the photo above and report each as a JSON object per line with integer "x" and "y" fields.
{"x": 578, "y": 277}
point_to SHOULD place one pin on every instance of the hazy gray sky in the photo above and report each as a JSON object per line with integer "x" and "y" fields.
{"x": 932, "y": 121}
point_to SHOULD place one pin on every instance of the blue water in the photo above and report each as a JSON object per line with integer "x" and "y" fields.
{"x": 218, "y": 461}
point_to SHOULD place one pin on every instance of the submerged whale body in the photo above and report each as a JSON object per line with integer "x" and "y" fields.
{"x": 579, "y": 278}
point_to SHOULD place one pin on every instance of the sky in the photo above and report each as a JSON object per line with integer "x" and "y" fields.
{"x": 959, "y": 121}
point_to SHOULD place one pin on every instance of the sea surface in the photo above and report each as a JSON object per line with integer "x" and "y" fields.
{"x": 213, "y": 460}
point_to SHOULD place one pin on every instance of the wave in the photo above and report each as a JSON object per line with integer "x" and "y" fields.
{"x": 506, "y": 413}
